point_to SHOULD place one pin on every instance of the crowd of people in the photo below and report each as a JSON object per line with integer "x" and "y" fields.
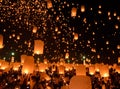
{"x": 16, "y": 80}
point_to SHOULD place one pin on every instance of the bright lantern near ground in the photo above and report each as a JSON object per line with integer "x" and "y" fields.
{"x": 1, "y": 41}
{"x": 80, "y": 82}
{"x": 28, "y": 66}
{"x": 73, "y": 12}
{"x": 104, "y": 70}
{"x": 67, "y": 55}
{"x": 91, "y": 70}
{"x": 80, "y": 70}
{"x": 38, "y": 47}
{"x": 61, "y": 69}
{"x": 23, "y": 57}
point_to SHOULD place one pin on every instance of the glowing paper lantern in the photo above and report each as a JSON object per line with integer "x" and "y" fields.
{"x": 4, "y": 65}
{"x": 80, "y": 82}
{"x": 93, "y": 50}
{"x": 118, "y": 46}
{"x": 91, "y": 69}
{"x": 1, "y": 41}
{"x": 61, "y": 69}
{"x": 114, "y": 66}
{"x": 28, "y": 66}
{"x": 23, "y": 57}
{"x": 18, "y": 37}
{"x": 104, "y": 71}
{"x": 118, "y": 59}
{"x": 16, "y": 66}
{"x": 49, "y": 4}
{"x": 97, "y": 67}
{"x": 45, "y": 61}
{"x": 12, "y": 59}
{"x": 34, "y": 29}
{"x": 1, "y": 62}
{"x": 68, "y": 67}
{"x": 80, "y": 70}
{"x": 67, "y": 55}
{"x": 82, "y": 8}
{"x": 38, "y": 46}
{"x": 118, "y": 69}
{"x": 73, "y": 12}
{"x": 42, "y": 67}
{"x": 75, "y": 36}
{"x": 62, "y": 61}
{"x": 1, "y": 0}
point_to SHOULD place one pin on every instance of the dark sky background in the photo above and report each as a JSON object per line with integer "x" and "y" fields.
{"x": 98, "y": 29}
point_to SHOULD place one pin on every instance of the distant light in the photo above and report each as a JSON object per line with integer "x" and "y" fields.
{"x": 68, "y": 61}
{"x": 84, "y": 57}
{"x": 82, "y": 8}
{"x": 12, "y": 53}
{"x": 4, "y": 58}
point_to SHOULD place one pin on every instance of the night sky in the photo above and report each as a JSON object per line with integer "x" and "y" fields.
{"x": 97, "y": 27}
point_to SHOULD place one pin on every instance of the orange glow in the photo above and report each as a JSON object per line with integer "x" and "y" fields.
{"x": 73, "y": 12}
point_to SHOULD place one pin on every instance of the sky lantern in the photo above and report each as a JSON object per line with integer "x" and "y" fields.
{"x": 75, "y": 36}
{"x": 45, "y": 61}
{"x": 28, "y": 66}
{"x": 114, "y": 66}
{"x": 12, "y": 59}
{"x": 66, "y": 55}
{"x": 118, "y": 46}
{"x": 61, "y": 69}
{"x": 4, "y": 65}
{"x": 23, "y": 57}
{"x": 73, "y": 12}
{"x": 118, "y": 69}
{"x": 80, "y": 82}
{"x": 97, "y": 67}
{"x": 42, "y": 67}
{"x": 49, "y": 4}
{"x": 1, "y": 61}
{"x": 80, "y": 70}
{"x": 16, "y": 66}
{"x": 93, "y": 50}
{"x": 68, "y": 67}
{"x": 91, "y": 70}
{"x": 104, "y": 70}
{"x": 118, "y": 59}
{"x": 116, "y": 26}
{"x": 98, "y": 56}
{"x": 82, "y": 8}
{"x": 18, "y": 37}
{"x": 56, "y": 29}
{"x": 1, "y": 0}
{"x": 38, "y": 47}
{"x": 34, "y": 29}
{"x": 1, "y": 41}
